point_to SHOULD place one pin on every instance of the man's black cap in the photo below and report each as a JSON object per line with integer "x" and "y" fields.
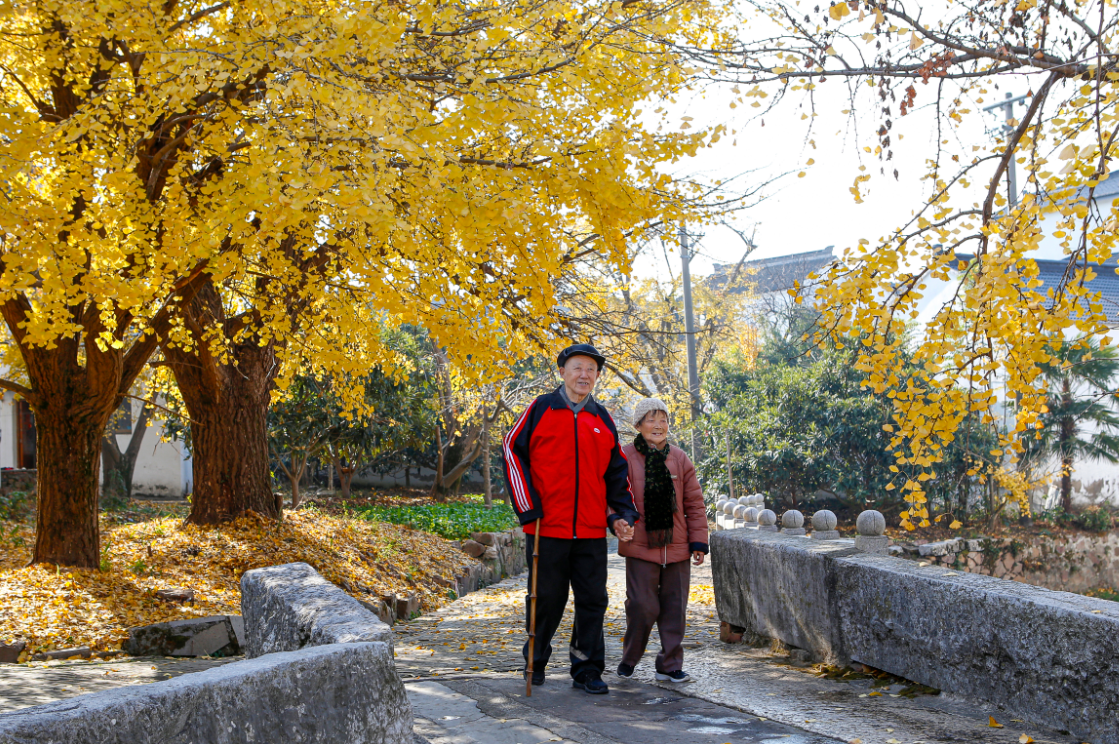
{"x": 580, "y": 350}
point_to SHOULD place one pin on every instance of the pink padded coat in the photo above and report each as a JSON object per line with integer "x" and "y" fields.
{"x": 689, "y": 531}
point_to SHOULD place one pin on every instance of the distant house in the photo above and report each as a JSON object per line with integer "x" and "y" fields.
{"x": 772, "y": 277}
{"x": 163, "y": 469}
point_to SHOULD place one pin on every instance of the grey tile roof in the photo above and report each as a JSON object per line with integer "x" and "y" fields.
{"x": 774, "y": 274}
{"x": 1052, "y": 275}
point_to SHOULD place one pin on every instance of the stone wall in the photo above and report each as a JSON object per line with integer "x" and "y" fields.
{"x": 289, "y": 607}
{"x": 1046, "y": 656}
{"x": 1072, "y": 563}
{"x": 18, "y": 480}
{"x": 328, "y": 694}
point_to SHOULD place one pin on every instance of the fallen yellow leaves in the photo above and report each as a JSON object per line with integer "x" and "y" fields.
{"x": 53, "y": 608}
{"x": 702, "y": 594}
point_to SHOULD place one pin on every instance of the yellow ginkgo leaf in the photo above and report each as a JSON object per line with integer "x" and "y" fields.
{"x": 991, "y": 722}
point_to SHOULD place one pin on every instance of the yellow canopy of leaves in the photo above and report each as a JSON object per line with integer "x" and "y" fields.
{"x": 325, "y": 161}
{"x": 64, "y": 608}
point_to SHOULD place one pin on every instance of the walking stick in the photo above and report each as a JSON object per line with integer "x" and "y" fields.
{"x": 532, "y": 608}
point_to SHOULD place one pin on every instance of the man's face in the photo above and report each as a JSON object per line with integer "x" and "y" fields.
{"x": 579, "y": 375}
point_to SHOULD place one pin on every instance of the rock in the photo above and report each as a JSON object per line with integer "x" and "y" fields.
{"x": 944, "y": 547}
{"x": 291, "y": 606}
{"x": 730, "y": 633}
{"x": 490, "y": 554}
{"x": 407, "y": 608}
{"x": 84, "y": 652}
{"x": 203, "y": 636}
{"x": 485, "y": 538}
{"x": 872, "y": 543}
{"x": 9, "y": 652}
{"x": 338, "y": 693}
{"x": 378, "y": 607}
{"x": 871, "y": 523}
{"x": 473, "y": 548}
{"x": 824, "y": 520}
{"x": 767, "y": 521}
{"x": 175, "y": 594}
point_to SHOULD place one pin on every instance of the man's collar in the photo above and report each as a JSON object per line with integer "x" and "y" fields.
{"x": 560, "y": 400}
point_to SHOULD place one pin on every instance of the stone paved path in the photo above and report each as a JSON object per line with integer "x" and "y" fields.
{"x": 470, "y": 649}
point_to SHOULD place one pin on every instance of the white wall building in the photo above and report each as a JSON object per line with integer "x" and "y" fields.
{"x": 163, "y": 469}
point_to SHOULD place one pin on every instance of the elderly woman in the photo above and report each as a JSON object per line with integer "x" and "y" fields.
{"x": 672, "y": 529}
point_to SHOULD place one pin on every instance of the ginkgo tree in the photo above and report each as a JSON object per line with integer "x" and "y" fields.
{"x": 241, "y": 184}
{"x": 989, "y": 342}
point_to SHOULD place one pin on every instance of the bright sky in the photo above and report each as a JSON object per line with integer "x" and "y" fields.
{"x": 817, "y": 210}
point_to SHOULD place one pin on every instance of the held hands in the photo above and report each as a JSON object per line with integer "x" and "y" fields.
{"x": 697, "y": 558}
{"x": 623, "y": 529}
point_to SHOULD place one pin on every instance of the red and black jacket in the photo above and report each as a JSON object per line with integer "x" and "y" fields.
{"x": 567, "y": 469}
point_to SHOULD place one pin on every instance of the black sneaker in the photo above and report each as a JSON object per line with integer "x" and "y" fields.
{"x": 678, "y": 676}
{"x": 625, "y": 671}
{"x": 591, "y": 683}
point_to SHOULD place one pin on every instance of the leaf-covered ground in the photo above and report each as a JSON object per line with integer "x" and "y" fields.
{"x": 142, "y": 552}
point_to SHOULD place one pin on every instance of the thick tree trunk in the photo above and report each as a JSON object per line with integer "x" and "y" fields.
{"x": 227, "y": 398}
{"x": 229, "y": 432}
{"x": 68, "y": 449}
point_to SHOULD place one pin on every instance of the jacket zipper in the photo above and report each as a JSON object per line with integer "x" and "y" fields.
{"x": 575, "y": 513}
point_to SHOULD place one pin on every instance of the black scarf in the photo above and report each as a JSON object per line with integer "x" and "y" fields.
{"x": 660, "y": 496}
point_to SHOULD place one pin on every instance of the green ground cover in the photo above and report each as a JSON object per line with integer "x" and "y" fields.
{"x": 454, "y": 521}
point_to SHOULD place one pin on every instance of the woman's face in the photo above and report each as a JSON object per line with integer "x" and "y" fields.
{"x": 654, "y": 427}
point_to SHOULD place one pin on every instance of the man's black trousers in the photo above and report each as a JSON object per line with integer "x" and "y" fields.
{"x": 582, "y": 565}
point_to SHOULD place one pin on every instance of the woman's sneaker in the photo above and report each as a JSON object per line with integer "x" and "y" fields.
{"x": 678, "y": 676}
{"x": 625, "y": 671}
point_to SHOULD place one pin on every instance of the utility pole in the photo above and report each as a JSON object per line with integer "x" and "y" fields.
{"x": 689, "y": 331}
{"x": 1012, "y": 188}
{"x": 1011, "y": 171}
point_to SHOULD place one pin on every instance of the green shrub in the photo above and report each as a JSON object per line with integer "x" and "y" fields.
{"x": 1091, "y": 518}
{"x": 16, "y": 505}
{"x": 452, "y": 521}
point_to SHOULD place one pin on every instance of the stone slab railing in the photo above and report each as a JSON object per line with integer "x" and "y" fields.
{"x": 325, "y": 694}
{"x": 324, "y": 672}
{"x": 1049, "y": 657}
{"x": 289, "y": 607}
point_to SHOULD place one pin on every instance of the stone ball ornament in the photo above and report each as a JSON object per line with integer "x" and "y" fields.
{"x": 729, "y": 508}
{"x": 751, "y": 514}
{"x": 792, "y": 519}
{"x": 871, "y": 523}
{"x": 720, "y": 505}
{"x": 824, "y": 520}
{"x": 744, "y": 500}
{"x": 740, "y": 511}
{"x": 766, "y": 517}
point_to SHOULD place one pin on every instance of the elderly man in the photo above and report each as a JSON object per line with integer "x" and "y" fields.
{"x": 564, "y": 465}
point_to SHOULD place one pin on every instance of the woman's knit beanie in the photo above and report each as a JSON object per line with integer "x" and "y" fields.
{"x": 647, "y": 405}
